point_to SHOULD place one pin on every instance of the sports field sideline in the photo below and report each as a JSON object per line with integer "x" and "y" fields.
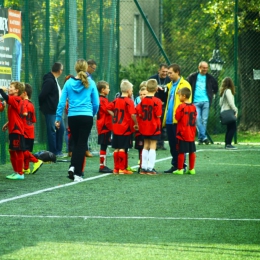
{"x": 211, "y": 215}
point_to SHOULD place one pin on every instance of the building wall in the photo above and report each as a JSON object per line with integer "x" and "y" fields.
{"x": 136, "y": 41}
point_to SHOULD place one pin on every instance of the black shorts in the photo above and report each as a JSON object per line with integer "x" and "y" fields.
{"x": 28, "y": 144}
{"x": 152, "y": 137}
{"x": 16, "y": 142}
{"x": 139, "y": 142}
{"x": 104, "y": 138}
{"x": 186, "y": 147}
{"x": 121, "y": 141}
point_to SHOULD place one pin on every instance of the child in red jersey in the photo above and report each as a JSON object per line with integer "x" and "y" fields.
{"x": 150, "y": 111}
{"x": 28, "y": 116}
{"x": 139, "y": 139}
{"x": 124, "y": 122}
{"x": 15, "y": 127}
{"x": 104, "y": 125}
{"x": 186, "y": 115}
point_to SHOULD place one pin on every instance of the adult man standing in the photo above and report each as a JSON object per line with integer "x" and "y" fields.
{"x": 92, "y": 66}
{"x": 162, "y": 93}
{"x": 173, "y": 101}
{"x": 204, "y": 86}
{"x": 48, "y": 101}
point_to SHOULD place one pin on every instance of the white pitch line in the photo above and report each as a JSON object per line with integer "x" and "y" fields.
{"x": 52, "y": 188}
{"x": 91, "y": 178}
{"x": 128, "y": 217}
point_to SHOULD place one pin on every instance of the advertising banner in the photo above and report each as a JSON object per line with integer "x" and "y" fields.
{"x": 10, "y": 46}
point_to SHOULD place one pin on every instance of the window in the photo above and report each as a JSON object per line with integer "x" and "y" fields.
{"x": 140, "y": 36}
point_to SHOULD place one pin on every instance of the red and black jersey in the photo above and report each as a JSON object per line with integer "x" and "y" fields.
{"x": 104, "y": 119}
{"x": 29, "y": 119}
{"x": 149, "y": 111}
{"x": 15, "y": 122}
{"x": 123, "y": 108}
{"x": 186, "y": 115}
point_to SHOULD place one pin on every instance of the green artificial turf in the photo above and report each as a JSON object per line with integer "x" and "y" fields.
{"x": 211, "y": 215}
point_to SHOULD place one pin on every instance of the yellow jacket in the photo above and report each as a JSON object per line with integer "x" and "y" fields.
{"x": 183, "y": 83}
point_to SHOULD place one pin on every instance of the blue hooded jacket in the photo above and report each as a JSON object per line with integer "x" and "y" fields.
{"x": 82, "y": 101}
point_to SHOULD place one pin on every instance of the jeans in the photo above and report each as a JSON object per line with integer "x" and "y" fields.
{"x": 54, "y": 135}
{"x": 202, "y": 119}
{"x": 171, "y": 132}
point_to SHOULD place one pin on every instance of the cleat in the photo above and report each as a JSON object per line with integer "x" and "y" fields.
{"x": 105, "y": 170}
{"x": 125, "y": 171}
{"x": 115, "y": 171}
{"x": 191, "y": 171}
{"x": 151, "y": 172}
{"x": 78, "y": 178}
{"x": 178, "y": 172}
{"x": 130, "y": 169}
{"x": 143, "y": 171}
{"x": 27, "y": 171}
{"x": 88, "y": 154}
{"x": 15, "y": 176}
{"x": 171, "y": 170}
{"x": 71, "y": 172}
{"x": 36, "y": 166}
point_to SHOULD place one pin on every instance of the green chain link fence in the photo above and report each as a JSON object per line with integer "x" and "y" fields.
{"x": 130, "y": 38}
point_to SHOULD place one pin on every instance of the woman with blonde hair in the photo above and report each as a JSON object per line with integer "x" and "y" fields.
{"x": 226, "y": 102}
{"x": 82, "y": 95}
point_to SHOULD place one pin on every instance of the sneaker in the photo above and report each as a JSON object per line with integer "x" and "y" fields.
{"x": 105, "y": 170}
{"x": 115, "y": 171}
{"x": 78, "y": 178}
{"x": 15, "y": 176}
{"x": 230, "y": 147}
{"x": 206, "y": 141}
{"x": 36, "y": 166}
{"x": 200, "y": 142}
{"x": 130, "y": 169}
{"x": 171, "y": 170}
{"x": 151, "y": 172}
{"x": 143, "y": 171}
{"x": 125, "y": 171}
{"x": 27, "y": 171}
{"x": 191, "y": 171}
{"x": 178, "y": 172}
{"x": 71, "y": 172}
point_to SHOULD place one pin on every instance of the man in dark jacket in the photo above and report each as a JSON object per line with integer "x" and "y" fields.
{"x": 204, "y": 86}
{"x": 48, "y": 101}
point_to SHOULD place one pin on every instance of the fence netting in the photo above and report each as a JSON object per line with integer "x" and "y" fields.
{"x": 130, "y": 38}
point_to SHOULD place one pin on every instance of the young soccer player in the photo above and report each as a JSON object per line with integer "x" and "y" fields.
{"x": 28, "y": 116}
{"x": 15, "y": 127}
{"x": 186, "y": 115}
{"x": 138, "y": 98}
{"x": 139, "y": 139}
{"x": 124, "y": 122}
{"x": 104, "y": 125}
{"x": 150, "y": 111}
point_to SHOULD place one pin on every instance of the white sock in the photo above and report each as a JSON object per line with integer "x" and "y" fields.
{"x": 152, "y": 158}
{"x": 144, "y": 159}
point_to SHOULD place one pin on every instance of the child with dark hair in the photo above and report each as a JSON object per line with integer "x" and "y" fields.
{"x": 28, "y": 116}
{"x": 104, "y": 125}
{"x": 15, "y": 128}
{"x": 186, "y": 115}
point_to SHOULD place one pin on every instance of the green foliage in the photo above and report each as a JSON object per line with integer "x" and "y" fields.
{"x": 138, "y": 72}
